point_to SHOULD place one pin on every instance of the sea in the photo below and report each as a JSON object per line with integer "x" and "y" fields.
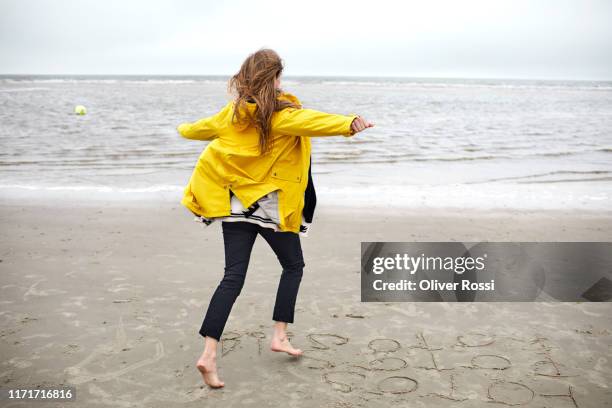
{"x": 436, "y": 143}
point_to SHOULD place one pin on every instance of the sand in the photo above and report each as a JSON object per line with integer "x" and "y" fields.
{"x": 109, "y": 299}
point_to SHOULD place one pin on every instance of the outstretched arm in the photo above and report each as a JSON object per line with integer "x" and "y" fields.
{"x": 310, "y": 122}
{"x": 204, "y": 129}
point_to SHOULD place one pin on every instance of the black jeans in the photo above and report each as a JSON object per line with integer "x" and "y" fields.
{"x": 238, "y": 239}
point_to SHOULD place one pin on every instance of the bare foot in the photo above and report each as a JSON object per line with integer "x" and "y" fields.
{"x": 282, "y": 344}
{"x": 207, "y": 366}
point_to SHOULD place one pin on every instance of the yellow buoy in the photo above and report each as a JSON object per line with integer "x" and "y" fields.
{"x": 80, "y": 110}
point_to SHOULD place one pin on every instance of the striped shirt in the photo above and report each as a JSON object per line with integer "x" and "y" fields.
{"x": 264, "y": 212}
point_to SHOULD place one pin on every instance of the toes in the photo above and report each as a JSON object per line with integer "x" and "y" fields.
{"x": 216, "y": 384}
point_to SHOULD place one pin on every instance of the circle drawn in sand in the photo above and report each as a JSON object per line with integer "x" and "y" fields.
{"x": 480, "y": 361}
{"x": 339, "y": 340}
{"x": 381, "y": 364}
{"x": 384, "y": 345}
{"x": 405, "y": 386}
{"x": 475, "y": 340}
{"x": 506, "y": 389}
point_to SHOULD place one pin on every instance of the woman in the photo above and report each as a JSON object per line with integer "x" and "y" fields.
{"x": 255, "y": 178}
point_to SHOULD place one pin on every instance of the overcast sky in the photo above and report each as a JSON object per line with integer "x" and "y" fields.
{"x": 548, "y": 39}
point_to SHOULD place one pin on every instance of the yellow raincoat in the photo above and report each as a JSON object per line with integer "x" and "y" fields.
{"x": 232, "y": 160}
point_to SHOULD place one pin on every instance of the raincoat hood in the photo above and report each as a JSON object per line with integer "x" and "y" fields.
{"x": 252, "y": 108}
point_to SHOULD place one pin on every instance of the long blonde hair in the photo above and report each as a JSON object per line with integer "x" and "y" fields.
{"x": 255, "y": 81}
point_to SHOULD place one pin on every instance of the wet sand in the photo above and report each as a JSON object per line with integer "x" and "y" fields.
{"x": 110, "y": 299}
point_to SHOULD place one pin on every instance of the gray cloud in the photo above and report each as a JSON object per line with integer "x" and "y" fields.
{"x": 477, "y": 38}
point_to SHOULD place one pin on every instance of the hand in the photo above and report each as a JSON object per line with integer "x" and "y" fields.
{"x": 360, "y": 124}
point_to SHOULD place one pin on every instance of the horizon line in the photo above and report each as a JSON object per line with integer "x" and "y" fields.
{"x": 321, "y": 76}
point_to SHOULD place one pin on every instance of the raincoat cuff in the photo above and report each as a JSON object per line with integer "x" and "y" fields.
{"x": 350, "y": 131}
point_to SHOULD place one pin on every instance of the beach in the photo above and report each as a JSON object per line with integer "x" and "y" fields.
{"x": 106, "y": 277}
{"x": 458, "y": 158}
{"x": 108, "y": 297}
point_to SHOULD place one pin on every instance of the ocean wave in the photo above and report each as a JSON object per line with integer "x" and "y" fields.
{"x": 537, "y": 177}
{"x": 332, "y": 81}
{"x": 567, "y": 180}
{"x": 446, "y": 85}
{"x": 94, "y": 188}
{"x": 30, "y": 89}
{"x": 450, "y": 195}
{"x": 109, "y": 81}
{"x": 484, "y": 196}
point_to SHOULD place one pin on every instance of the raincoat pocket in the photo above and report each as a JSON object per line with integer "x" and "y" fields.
{"x": 286, "y": 174}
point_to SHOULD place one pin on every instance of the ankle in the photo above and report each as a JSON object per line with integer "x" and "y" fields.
{"x": 209, "y": 355}
{"x": 280, "y": 335}
{"x": 280, "y": 330}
